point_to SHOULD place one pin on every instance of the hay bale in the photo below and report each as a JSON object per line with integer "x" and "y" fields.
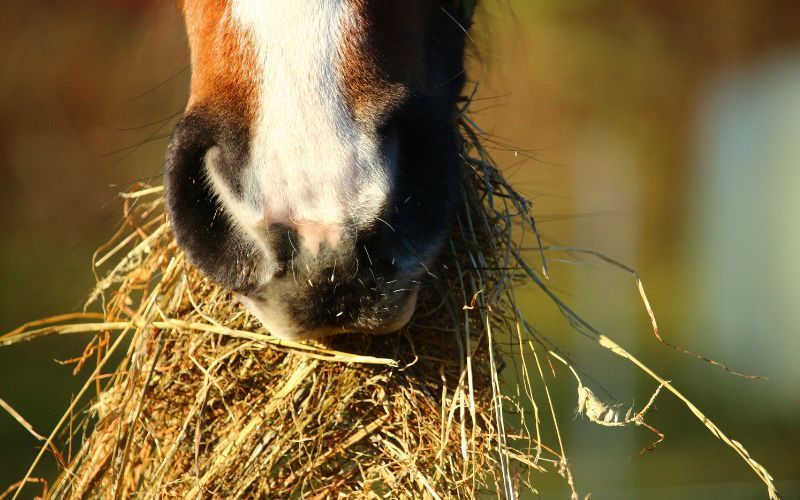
{"x": 203, "y": 402}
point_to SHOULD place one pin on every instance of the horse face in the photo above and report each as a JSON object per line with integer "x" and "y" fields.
{"x": 316, "y": 170}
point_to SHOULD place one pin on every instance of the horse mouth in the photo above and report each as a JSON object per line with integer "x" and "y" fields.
{"x": 286, "y": 325}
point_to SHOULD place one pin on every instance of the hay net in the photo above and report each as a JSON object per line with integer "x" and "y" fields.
{"x": 190, "y": 397}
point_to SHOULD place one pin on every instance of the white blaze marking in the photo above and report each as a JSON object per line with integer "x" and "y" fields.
{"x": 311, "y": 167}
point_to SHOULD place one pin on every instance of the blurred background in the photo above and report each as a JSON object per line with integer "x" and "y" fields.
{"x": 662, "y": 134}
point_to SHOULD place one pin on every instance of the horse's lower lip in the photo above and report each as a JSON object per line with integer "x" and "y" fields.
{"x": 283, "y": 327}
{"x": 403, "y": 317}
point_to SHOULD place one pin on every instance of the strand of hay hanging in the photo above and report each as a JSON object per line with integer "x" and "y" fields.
{"x": 189, "y": 397}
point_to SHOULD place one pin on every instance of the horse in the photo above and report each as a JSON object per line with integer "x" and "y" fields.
{"x": 315, "y": 172}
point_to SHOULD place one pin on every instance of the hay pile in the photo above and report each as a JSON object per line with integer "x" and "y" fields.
{"x": 189, "y": 397}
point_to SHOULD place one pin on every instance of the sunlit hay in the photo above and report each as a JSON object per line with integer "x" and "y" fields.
{"x": 190, "y": 397}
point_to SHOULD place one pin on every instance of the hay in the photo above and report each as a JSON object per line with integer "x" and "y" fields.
{"x": 193, "y": 399}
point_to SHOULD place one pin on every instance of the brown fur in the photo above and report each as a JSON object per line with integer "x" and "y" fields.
{"x": 384, "y": 55}
{"x": 222, "y": 59}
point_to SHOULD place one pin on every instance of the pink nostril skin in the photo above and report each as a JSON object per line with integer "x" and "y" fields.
{"x": 313, "y": 234}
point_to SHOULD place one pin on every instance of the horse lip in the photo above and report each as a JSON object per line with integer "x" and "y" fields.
{"x": 282, "y": 327}
{"x": 405, "y": 312}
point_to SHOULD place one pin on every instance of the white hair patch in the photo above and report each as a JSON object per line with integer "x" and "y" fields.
{"x": 310, "y": 166}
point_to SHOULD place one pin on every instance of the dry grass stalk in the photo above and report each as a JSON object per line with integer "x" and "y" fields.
{"x": 205, "y": 403}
